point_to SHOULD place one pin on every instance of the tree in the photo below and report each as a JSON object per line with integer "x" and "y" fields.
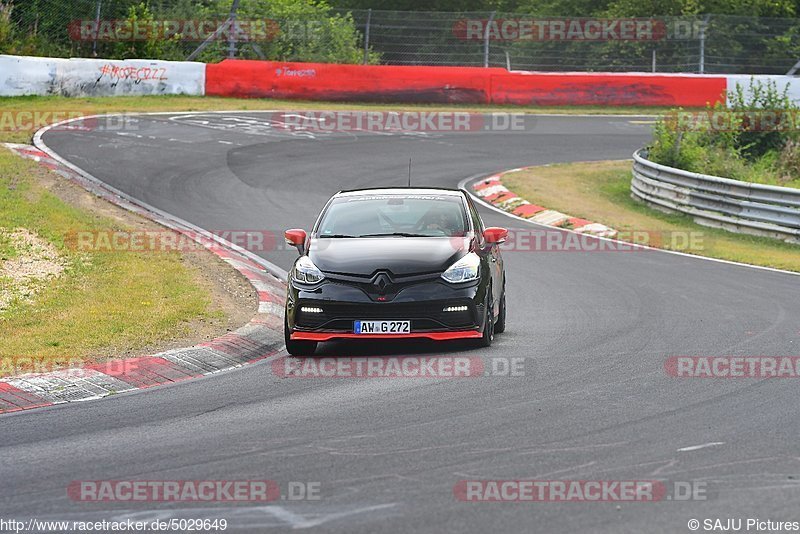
{"x": 304, "y": 30}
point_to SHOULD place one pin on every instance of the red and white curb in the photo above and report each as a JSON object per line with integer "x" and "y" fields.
{"x": 259, "y": 339}
{"x": 492, "y": 190}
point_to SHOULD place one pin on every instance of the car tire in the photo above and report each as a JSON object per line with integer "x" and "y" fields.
{"x": 488, "y": 327}
{"x": 500, "y": 325}
{"x": 295, "y": 347}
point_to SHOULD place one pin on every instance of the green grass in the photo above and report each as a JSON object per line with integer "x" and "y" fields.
{"x": 7, "y": 250}
{"x": 104, "y": 303}
{"x": 600, "y": 192}
{"x": 132, "y": 104}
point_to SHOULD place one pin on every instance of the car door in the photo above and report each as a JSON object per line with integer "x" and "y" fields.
{"x": 492, "y": 253}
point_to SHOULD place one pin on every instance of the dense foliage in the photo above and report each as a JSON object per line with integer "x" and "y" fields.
{"x": 591, "y": 8}
{"x": 755, "y": 139}
{"x": 42, "y": 27}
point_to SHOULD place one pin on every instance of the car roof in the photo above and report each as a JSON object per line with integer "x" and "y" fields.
{"x": 400, "y": 191}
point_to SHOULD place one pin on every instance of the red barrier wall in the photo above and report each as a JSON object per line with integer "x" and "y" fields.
{"x": 569, "y": 89}
{"x": 471, "y": 85}
{"x": 323, "y": 81}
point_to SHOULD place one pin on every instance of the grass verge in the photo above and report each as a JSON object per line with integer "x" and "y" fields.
{"x": 600, "y": 191}
{"x": 103, "y": 302}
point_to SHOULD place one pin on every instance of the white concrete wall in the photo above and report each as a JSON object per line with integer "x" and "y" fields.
{"x": 99, "y": 77}
{"x": 780, "y": 82}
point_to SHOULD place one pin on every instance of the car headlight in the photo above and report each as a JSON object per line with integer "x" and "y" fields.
{"x": 306, "y": 272}
{"x": 464, "y": 270}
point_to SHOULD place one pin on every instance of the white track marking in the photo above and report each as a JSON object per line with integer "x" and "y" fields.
{"x": 703, "y": 446}
{"x": 297, "y": 521}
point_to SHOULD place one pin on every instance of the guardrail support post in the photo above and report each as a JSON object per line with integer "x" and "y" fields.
{"x": 233, "y": 28}
{"x": 703, "y": 44}
{"x": 366, "y": 37}
{"x": 486, "y": 40}
{"x": 96, "y": 27}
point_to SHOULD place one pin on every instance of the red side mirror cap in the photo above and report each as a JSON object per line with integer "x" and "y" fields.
{"x": 295, "y": 237}
{"x": 495, "y": 235}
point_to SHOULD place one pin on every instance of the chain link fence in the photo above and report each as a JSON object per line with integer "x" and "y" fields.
{"x": 213, "y": 30}
{"x": 702, "y": 44}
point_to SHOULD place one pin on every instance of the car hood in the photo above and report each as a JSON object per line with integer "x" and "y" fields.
{"x": 400, "y": 255}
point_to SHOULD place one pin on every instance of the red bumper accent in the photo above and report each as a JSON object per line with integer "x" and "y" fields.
{"x": 437, "y": 336}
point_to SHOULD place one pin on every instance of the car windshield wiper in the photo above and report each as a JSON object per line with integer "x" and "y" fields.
{"x": 395, "y": 234}
{"x": 337, "y": 236}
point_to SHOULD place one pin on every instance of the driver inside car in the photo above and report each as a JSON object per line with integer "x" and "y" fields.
{"x": 440, "y": 220}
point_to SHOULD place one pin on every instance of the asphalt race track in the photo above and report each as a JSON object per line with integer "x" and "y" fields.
{"x": 594, "y": 329}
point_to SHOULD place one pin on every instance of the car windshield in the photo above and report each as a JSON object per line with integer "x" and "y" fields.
{"x": 394, "y": 215}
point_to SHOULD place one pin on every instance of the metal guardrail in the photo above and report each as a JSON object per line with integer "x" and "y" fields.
{"x": 736, "y": 206}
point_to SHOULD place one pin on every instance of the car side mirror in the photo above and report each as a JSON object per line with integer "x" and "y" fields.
{"x": 296, "y": 237}
{"x": 495, "y": 235}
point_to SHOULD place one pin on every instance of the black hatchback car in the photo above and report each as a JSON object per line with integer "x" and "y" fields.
{"x": 395, "y": 263}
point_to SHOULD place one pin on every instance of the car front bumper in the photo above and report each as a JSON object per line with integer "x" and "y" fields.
{"x": 436, "y": 336}
{"x": 338, "y": 305}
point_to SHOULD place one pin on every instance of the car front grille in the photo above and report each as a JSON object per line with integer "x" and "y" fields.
{"x": 423, "y": 315}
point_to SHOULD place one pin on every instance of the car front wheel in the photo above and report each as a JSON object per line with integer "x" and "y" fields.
{"x": 488, "y": 327}
{"x": 296, "y": 347}
{"x": 500, "y": 325}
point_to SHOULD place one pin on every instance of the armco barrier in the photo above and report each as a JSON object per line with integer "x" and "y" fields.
{"x": 474, "y": 85}
{"x": 99, "y": 77}
{"x": 720, "y": 202}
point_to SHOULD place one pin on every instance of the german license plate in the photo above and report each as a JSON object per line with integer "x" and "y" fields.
{"x": 382, "y": 327}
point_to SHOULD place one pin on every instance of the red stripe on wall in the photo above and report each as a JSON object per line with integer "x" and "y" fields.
{"x": 473, "y": 85}
{"x": 545, "y": 89}
{"x": 366, "y": 83}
